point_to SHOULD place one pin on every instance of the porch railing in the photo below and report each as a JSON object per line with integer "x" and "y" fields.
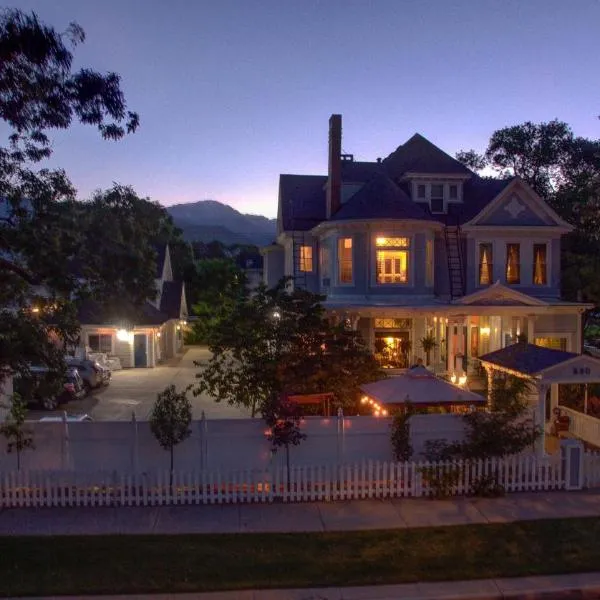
{"x": 582, "y": 426}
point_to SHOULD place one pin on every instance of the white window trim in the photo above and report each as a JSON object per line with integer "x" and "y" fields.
{"x": 338, "y": 281}
{"x": 446, "y": 185}
{"x": 112, "y": 340}
{"x": 411, "y": 262}
{"x": 548, "y": 245}
{"x": 478, "y": 243}
{"x": 504, "y": 264}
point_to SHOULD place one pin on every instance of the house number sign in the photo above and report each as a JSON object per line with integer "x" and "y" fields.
{"x": 581, "y": 371}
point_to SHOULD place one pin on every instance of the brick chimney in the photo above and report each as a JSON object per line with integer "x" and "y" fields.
{"x": 334, "y": 173}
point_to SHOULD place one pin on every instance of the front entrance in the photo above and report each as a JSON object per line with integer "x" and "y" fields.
{"x": 140, "y": 350}
{"x": 392, "y": 349}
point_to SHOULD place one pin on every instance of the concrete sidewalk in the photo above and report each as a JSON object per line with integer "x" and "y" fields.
{"x": 581, "y": 586}
{"x": 318, "y": 516}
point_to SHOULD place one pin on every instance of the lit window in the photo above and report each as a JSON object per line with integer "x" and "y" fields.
{"x": 539, "y": 264}
{"x": 306, "y": 259}
{"x": 392, "y": 323}
{"x": 513, "y": 263}
{"x": 437, "y": 198}
{"x": 392, "y": 263}
{"x": 429, "y": 263}
{"x": 486, "y": 264}
{"x": 345, "y": 260}
{"x": 395, "y": 242}
{"x": 554, "y": 343}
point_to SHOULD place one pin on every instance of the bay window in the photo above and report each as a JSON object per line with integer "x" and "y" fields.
{"x": 345, "y": 260}
{"x": 540, "y": 276}
{"x": 392, "y": 259}
{"x": 486, "y": 264}
{"x": 513, "y": 263}
{"x": 429, "y": 263}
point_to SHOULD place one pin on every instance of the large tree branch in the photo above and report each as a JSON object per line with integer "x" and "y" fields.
{"x": 17, "y": 270}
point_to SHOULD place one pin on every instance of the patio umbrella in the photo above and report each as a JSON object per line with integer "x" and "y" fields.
{"x": 419, "y": 386}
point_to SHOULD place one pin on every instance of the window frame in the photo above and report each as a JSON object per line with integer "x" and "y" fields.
{"x": 338, "y": 263}
{"x": 546, "y": 263}
{"x": 478, "y": 257}
{"x": 409, "y": 249}
{"x": 100, "y": 336}
{"x": 304, "y": 259}
{"x": 429, "y": 261}
{"x": 506, "y": 247}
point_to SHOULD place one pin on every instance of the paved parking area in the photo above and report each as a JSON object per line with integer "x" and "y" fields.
{"x": 136, "y": 389}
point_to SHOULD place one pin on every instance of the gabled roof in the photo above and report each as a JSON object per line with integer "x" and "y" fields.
{"x": 302, "y": 199}
{"x": 527, "y": 359}
{"x": 499, "y": 294}
{"x": 360, "y": 172}
{"x": 161, "y": 254}
{"x": 380, "y": 198}
{"x": 170, "y": 299}
{"x": 93, "y": 313}
{"x": 419, "y": 155}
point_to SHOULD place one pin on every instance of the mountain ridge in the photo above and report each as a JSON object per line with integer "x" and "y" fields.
{"x": 208, "y": 220}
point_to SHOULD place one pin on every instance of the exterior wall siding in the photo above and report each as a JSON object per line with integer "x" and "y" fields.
{"x": 274, "y": 266}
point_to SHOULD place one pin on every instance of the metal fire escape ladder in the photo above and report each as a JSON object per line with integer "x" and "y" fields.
{"x": 454, "y": 256}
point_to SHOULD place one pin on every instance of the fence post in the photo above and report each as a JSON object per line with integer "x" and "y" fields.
{"x": 572, "y": 458}
{"x": 203, "y": 441}
{"x": 340, "y": 435}
{"x": 135, "y": 448}
{"x": 65, "y": 449}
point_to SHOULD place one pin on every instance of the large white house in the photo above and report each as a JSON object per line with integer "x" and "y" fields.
{"x": 417, "y": 246}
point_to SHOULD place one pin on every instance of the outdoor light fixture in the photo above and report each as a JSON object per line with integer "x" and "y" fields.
{"x": 158, "y": 334}
{"x": 453, "y": 378}
{"x": 484, "y": 330}
{"x": 276, "y": 314}
{"x": 35, "y": 309}
{"x": 123, "y": 335}
{"x": 364, "y": 400}
{"x": 462, "y": 380}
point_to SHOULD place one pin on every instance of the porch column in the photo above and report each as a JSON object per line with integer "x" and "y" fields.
{"x": 450, "y": 349}
{"x": 531, "y": 329}
{"x": 553, "y": 396}
{"x": 490, "y": 383}
{"x": 438, "y": 338}
{"x": 540, "y": 418}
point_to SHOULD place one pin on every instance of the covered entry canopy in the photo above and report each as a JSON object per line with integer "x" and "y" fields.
{"x": 546, "y": 368}
{"x": 544, "y": 364}
{"x": 421, "y": 387}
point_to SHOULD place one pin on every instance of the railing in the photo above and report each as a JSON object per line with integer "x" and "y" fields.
{"x": 305, "y": 483}
{"x": 582, "y": 426}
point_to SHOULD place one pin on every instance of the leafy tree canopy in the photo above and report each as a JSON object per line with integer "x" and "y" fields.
{"x": 54, "y": 251}
{"x": 280, "y": 342}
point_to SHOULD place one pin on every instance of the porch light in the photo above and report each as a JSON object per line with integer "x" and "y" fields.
{"x": 158, "y": 334}
{"x": 35, "y": 309}
{"x": 123, "y": 335}
{"x": 453, "y": 378}
{"x": 384, "y": 413}
{"x": 276, "y": 314}
{"x": 435, "y": 319}
{"x": 364, "y": 400}
{"x": 484, "y": 330}
{"x": 462, "y": 380}
{"x": 389, "y": 341}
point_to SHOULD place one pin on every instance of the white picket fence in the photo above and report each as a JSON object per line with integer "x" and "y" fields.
{"x": 591, "y": 469}
{"x": 306, "y": 483}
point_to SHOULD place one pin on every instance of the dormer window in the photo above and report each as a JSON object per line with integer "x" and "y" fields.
{"x": 437, "y": 194}
{"x": 436, "y": 201}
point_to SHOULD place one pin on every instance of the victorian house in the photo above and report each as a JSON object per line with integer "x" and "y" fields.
{"x": 424, "y": 257}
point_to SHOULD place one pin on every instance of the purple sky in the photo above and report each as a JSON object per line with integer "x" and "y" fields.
{"x": 232, "y": 93}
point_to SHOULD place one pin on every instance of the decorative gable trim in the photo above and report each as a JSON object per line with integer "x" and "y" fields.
{"x": 499, "y": 292}
{"x": 530, "y": 198}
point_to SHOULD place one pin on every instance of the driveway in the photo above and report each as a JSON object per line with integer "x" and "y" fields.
{"x": 135, "y": 390}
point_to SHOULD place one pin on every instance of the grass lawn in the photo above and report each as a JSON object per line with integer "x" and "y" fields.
{"x": 192, "y": 563}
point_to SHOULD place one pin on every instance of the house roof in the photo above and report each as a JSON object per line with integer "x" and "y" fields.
{"x": 302, "y": 199}
{"x": 170, "y": 300}
{"x": 380, "y": 198}
{"x": 419, "y": 155}
{"x": 360, "y": 172}
{"x": 527, "y": 358}
{"x": 93, "y": 313}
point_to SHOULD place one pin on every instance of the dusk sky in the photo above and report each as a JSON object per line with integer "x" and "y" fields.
{"x": 233, "y": 93}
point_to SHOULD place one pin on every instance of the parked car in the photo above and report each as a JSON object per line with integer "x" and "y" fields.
{"x": 92, "y": 372}
{"x": 48, "y": 389}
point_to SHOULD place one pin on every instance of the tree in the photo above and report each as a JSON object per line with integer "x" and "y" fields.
{"x": 40, "y": 235}
{"x": 18, "y": 437}
{"x": 219, "y": 284}
{"x": 428, "y": 343}
{"x": 282, "y": 342}
{"x": 170, "y": 421}
{"x": 283, "y": 418}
